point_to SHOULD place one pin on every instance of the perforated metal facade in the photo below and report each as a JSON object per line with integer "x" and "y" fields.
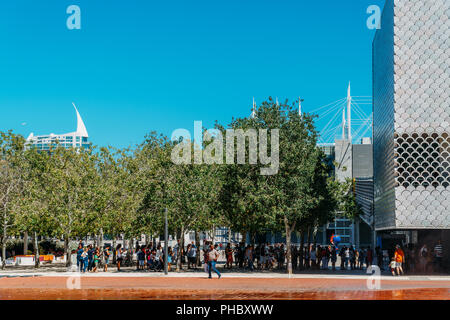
{"x": 411, "y": 94}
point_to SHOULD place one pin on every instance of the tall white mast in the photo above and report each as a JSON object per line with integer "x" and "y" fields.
{"x": 343, "y": 123}
{"x": 299, "y": 106}
{"x": 349, "y": 113}
{"x": 253, "y": 108}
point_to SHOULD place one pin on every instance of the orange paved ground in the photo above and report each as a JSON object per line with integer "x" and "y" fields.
{"x": 35, "y": 288}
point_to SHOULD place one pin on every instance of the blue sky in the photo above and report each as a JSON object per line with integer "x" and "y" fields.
{"x": 137, "y": 66}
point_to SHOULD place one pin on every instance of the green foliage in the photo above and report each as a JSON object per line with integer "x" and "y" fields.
{"x": 71, "y": 193}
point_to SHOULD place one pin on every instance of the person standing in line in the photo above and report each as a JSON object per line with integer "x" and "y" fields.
{"x": 194, "y": 255}
{"x": 85, "y": 257}
{"x": 191, "y": 255}
{"x": 249, "y": 257}
{"x": 333, "y": 257}
{"x": 79, "y": 259}
{"x": 364, "y": 258}
{"x": 369, "y": 257}
{"x": 106, "y": 255}
{"x": 307, "y": 258}
{"x": 347, "y": 257}
{"x": 170, "y": 258}
{"x": 294, "y": 254}
{"x": 241, "y": 255}
{"x": 393, "y": 265}
{"x": 213, "y": 255}
{"x": 399, "y": 256}
{"x": 96, "y": 260}
{"x": 438, "y": 254}
{"x": 327, "y": 257}
{"x": 318, "y": 256}
{"x": 356, "y": 259}
{"x": 119, "y": 256}
{"x": 352, "y": 257}
{"x": 379, "y": 255}
{"x": 312, "y": 255}
{"x": 300, "y": 258}
{"x": 229, "y": 254}
{"x": 188, "y": 254}
{"x": 141, "y": 258}
{"x": 205, "y": 256}
{"x": 342, "y": 255}
{"x": 90, "y": 257}
{"x": 423, "y": 257}
{"x": 323, "y": 256}
{"x": 175, "y": 251}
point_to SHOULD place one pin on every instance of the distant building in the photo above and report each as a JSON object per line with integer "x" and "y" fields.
{"x": 355, "y": 162}
{"x": 77, "y": 139}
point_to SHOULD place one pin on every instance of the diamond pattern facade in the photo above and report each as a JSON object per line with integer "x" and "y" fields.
{"x": 411, "y": 91}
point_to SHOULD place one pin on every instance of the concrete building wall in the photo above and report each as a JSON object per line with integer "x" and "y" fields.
{"x": 411, "y": 107}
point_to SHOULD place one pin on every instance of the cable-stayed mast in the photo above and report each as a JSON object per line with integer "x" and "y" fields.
{"x": 349, "y": 114}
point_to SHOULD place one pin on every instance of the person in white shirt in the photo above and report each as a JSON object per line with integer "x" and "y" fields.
{"x": 313, "y": 257}
{"x": 213, "y": 255}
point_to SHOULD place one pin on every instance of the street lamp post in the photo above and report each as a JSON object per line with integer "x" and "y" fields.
{"x": 166, "y": 239}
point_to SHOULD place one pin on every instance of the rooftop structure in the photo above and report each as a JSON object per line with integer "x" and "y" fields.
{"x": 77, "y": 139}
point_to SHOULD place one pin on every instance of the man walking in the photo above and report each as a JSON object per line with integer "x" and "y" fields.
{"x": 213, "y": 255}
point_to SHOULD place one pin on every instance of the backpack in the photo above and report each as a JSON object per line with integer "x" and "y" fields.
{"x": 423, "y": 253}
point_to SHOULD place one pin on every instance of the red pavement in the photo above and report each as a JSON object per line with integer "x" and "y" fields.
{"x": 103, "y": 288}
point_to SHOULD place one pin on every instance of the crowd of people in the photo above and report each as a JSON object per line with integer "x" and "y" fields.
{"x": 270, "y": 257}
{"x": 264, "y": 256}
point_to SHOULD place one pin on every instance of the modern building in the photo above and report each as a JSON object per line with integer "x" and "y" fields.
{"x": 77, "y": 139}
{"x": 411, "y": 122}
{"x": 355, "y": 162}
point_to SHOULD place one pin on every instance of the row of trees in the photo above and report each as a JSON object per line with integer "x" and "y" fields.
{"x": 71, "y": 193}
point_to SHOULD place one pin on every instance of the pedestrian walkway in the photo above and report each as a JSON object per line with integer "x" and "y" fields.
{"x": 199, "y": 273}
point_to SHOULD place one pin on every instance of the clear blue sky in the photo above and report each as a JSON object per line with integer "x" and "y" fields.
{"x": 137, "y": 66}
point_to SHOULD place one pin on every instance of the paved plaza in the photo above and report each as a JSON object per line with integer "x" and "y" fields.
{"x": 59, "y": 284}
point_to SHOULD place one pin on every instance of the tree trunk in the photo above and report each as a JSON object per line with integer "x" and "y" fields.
{"x": 114, "y": 250}
{"x": 213, "y": 234}
{"x": 309, "y": 238}
{"x": 66, "y": 251}
{"x": 36, "y": 251}
{"x": 101, "y": 239}
{"x": 25, "y": 242}
{"x": 315, "y": 236}
{"x": 181, "y": 249}
{"x": 229, "y": 235}
{"x": 197, "y": 244}
{"x": 288, "y": 245}
{"x": 252, "y": 238}
{"x": 4, "y": 248}
{"x": 302, "y": 246}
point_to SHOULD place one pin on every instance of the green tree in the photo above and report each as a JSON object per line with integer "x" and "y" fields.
{"x": 292, "y": 196}
{"x": 11, "y": 182}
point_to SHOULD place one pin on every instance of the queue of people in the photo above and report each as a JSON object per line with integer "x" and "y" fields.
{"x": 265, "y": 256}
{"x": 273, "y": 257}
